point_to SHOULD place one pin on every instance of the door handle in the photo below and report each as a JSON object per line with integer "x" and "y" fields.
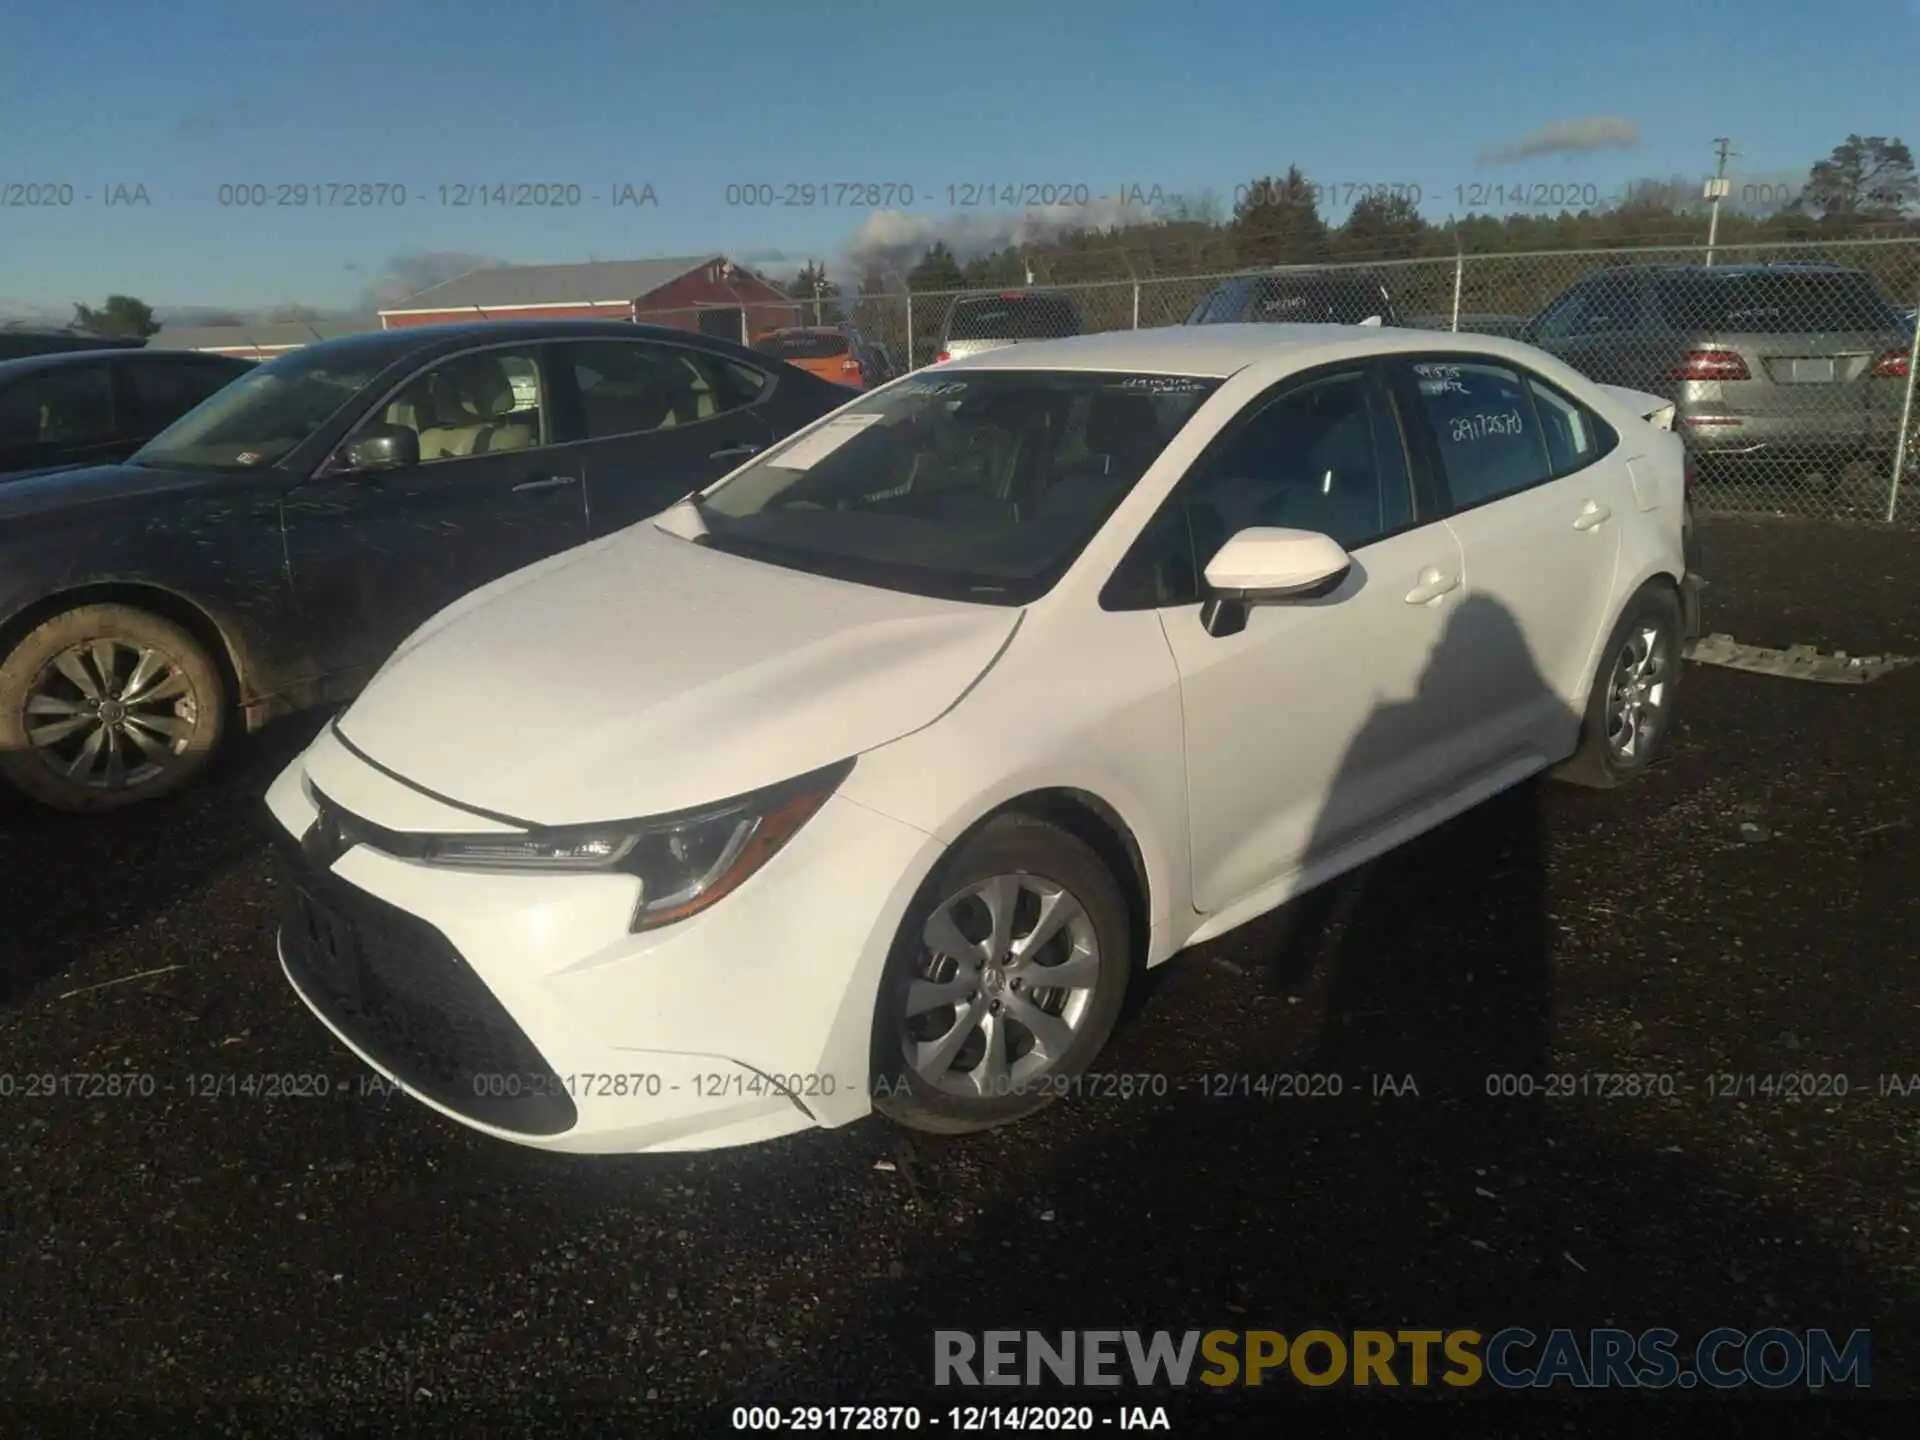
{"x": 1594, "y": 514}
{"x": 737, "y": 452}
{"x": 552, "y": 482}
{"x": 1433, "y": 584}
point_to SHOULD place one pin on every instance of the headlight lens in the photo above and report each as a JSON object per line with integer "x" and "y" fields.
{"x": 684, "y": 862}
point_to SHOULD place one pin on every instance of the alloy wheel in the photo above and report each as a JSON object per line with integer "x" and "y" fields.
{"x": 111, "y": 714}
{"x": 1004, "y": 984}
{"x": 1637, "y": 690}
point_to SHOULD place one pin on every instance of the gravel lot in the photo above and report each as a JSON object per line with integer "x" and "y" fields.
{"x": 356, "y": 1254}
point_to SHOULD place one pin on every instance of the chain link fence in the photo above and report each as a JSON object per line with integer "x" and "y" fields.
{"x": 1791, "y": 366}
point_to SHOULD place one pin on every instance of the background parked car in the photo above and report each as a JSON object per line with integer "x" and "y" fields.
{"x": 1295, "y": 297}
{"x": 270, "y": 549}
{"x": 1797, "y": 362}
{"x": 978, "y": 323}
{"x": 18, "y": 344}
{"x": 832, "y": 352}
{"x": 93, "y": 406}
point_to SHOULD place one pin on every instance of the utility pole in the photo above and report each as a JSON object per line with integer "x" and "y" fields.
{"x": 1717, "y": 190}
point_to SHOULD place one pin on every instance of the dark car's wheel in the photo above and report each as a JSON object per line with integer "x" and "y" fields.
{"x": 1630, "y": 705}
{"x": 1004, "y": 983}
{"x": 105, "y": 706}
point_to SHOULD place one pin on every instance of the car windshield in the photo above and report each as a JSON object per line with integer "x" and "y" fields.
{"x": 1310, "y": 302}
{"x": 983, "y": 485}
{"x": 1013, "y": 317}
{"x": 264, "y": 414}
{"x": 1784, "y": 303}
{"x": 802, "y": 345}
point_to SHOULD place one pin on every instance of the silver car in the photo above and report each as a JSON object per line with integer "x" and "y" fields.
{"x": 976, "y": 323}
{"x": 1795, "y": 363}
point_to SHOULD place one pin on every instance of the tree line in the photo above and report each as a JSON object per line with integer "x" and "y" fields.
{"x": 1866, "y": 188}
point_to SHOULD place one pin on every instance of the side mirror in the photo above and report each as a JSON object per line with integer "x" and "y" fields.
{"x": 1265, "y": 566}
{"x": 1371, "y": 320}
{"x": 381, "y": 447}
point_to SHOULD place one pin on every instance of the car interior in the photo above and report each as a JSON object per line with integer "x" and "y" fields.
{"x": 469, "y": 407}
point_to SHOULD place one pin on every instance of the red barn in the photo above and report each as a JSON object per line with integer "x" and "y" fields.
{"x": 704, "y": 293}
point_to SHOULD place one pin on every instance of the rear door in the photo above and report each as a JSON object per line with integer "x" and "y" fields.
{"x": 1537, "y": 500}
{"x": 64, "y": 415}
{"x": 648, "y": 421}
{"x": 375, "y": 555}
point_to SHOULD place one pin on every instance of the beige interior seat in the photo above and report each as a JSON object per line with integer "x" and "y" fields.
{"x": 471, "y": 400}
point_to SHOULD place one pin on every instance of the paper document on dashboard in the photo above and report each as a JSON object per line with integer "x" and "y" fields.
{"x": 823, "y": 442}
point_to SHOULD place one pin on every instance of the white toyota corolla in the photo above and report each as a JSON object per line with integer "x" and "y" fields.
{"x": 869, "y": 777}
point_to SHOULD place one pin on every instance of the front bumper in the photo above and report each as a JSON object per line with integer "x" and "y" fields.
{"x": 522, "y": 1006}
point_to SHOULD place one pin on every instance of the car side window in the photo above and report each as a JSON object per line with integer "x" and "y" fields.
{"x": 1482, "y": 421}
{"x": 1610, "y": 304}
{"x": 1324, "y": 455}
{"x": 485, "y": 402}
{"x": 1556, "y": 322}
{"x": 71, "y": 405}
{"x": 1575, "y": 436}
{"x": 637, "y": 387}
{"x": 738, "y": 383}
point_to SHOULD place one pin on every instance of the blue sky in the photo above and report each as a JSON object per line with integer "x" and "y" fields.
{"x": 1185, "y": 95}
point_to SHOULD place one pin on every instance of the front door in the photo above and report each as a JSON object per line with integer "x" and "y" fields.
{"x": 1314, "y": 724}
{"x": 375, "y": 555}
{"x": 648, "y": 422}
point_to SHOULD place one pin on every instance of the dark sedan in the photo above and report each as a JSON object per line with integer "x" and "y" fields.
{"x": 93, "y": 406}
{"x": 270, "y": 549}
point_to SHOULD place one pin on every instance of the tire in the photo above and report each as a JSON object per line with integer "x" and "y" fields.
{"x": 1601, "y": 762}
{"x": 1030, "y": 859}
{"x": 163, "y": 741}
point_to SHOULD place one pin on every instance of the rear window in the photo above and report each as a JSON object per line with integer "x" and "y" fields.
{"x": 1780, "y": 304}
{"x": 1311, "y": 302}
{"x": 802, "y": 345}
{"x": 1013, "y": 317}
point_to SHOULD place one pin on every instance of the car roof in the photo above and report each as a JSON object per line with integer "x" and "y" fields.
{"x": 1217, "y": 351}
{"x": 408, "y": 340}
{"x": 56, "y": 359}
{"x": 1746, "y": 268}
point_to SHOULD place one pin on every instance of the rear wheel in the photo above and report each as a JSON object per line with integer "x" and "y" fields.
{"x": 1004, "y": 983}
{"x": 105, "y": 706}
{"x": 1630, "y": 704}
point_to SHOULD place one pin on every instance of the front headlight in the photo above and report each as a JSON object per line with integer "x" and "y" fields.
{"x": 684, "y": 862}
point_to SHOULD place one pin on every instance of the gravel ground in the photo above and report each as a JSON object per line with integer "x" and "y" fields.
{"x": 1749, "y": 908}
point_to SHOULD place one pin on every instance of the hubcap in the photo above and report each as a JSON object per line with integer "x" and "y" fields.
{"x": 109, "y": 714}
{"x": 1004, "y": 982}
{"x": 1637, "y": 691}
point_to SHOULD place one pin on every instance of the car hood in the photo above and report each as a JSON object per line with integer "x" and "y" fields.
{"x": 35, "y": 491}
{"x": 644, "y": 674}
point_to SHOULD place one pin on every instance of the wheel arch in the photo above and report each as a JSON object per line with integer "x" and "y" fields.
{"x": 1101, "y": 828}
{"x": 141, "y": 595}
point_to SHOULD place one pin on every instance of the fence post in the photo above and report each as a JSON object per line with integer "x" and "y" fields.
{"x": 909, "y": 357}
{"x": 1136, "y": 304}
{"x": 1906, "y": 427}
{"x": 1459, "y": 274}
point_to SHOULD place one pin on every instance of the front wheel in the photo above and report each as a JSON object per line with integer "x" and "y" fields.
{"x": 1005, "y": 981}
{"x": 1630, "y": 705}
{"x": 105, "y": 706}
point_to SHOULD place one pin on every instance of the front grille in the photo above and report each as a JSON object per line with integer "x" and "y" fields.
{"x": 403, "y": 993}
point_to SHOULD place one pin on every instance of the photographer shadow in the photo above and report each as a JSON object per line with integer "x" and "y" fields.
{"x": 1439, "y": 1187}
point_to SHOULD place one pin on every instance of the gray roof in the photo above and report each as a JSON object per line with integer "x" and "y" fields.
{"x": 266, "y": 336}
{"x": 553, "y": 284}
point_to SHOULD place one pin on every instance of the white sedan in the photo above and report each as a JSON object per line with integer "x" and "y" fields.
{"x": 871, "y": 776}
